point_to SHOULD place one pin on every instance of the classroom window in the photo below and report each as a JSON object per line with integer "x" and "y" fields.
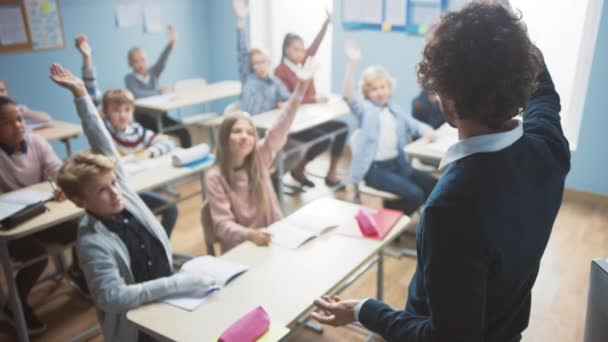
{"x": 272, "y": 19}
{"x": 566, "y": 31}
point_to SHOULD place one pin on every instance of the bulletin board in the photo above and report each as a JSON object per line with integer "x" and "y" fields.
{"x": 30, "y": 25}
{"x": 409, "y": 16}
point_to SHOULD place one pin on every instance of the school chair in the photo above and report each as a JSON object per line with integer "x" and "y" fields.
{"x": 208, "y": 230}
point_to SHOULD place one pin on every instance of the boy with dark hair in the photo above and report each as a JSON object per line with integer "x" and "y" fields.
{"x": 486, "y": 224}
{"x": 27, "y": 159}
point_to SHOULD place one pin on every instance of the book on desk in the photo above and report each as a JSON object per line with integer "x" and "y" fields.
{"x": 221, "y": 270}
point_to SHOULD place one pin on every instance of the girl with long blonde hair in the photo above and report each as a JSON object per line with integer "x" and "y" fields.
{"x": 241, "y": 198}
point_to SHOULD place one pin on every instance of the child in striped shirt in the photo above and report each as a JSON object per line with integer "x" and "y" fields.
{"x": 130, "y": 138}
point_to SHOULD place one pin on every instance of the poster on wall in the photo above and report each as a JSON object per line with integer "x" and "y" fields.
{"x": 12, "y": 27}
{"x": 409, "y": 16}
{"x": 44, "y": 23}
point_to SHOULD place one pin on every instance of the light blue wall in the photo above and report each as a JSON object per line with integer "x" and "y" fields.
{"x": 222, "y": 53}
{"x": 27, "y": 73}
{"x": 400, "y": 53}
{"x": 590, "y": 161}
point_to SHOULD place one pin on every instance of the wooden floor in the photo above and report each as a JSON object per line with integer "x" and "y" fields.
{"x": 559, "y": 299}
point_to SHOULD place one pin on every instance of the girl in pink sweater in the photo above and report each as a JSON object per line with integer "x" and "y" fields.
{"x": 241, "y": 198}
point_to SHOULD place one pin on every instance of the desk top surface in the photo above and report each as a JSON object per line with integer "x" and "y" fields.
{"x": 59, "y": 130}
{"x": 308, "y": 115}
{"x": 211, "y": 92}
{"x": 65, "y": 210}
{"x": 283, "y": 281}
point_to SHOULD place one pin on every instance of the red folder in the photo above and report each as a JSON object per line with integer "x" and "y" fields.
{"x": 377, "y": 224}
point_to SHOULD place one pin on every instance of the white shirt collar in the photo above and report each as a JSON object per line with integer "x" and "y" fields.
{"x": 290, "y": 64}
{"x": 143, "y": 78}
{"x": 480, "y": 144}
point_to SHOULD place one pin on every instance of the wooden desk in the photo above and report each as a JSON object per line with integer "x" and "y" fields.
{"x": 308, "y": 115}
{"x": 284, "y": 281}
{"x": 431, "y": 153}
{"x": 62, "y": 131}
{"x": 160, "y": 104}
{"x": 63, "y": 211}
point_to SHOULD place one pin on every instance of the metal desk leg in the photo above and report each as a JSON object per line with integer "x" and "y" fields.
{"x": 380, "y": 276}
{"x": 14, "y": 296}
{"x": 68, "y": 145}
{"x": 280, "y": 165}
{"x": 159, "y": 122}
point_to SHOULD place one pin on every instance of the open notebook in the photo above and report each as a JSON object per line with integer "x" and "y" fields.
{"x": 221, "y": 270}
{"x": 299, "y": 227}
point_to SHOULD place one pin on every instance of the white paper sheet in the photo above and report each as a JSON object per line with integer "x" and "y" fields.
{"x": 7, "y": 209}
{"x": 152, "y": 18}
{"x": 362, "y": 11}
{"x": 12, "y": 27}
{"x": 26, "y": 197}
{"x": 396, "y": 12}
{"x": 132, "y": 167}
{"x": 127, "y": 15}
{"x": 221, "y": 270}
{"x": 287, "y": 235}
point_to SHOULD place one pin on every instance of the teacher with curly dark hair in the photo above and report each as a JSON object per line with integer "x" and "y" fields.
{"x": 486, "y": 224}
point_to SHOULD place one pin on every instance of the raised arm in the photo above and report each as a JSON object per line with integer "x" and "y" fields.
{"x": 88, "y": 70}
{"x": 159, "y": 66}
{"x": 276, "y": 137}
{"x": 314, "y": 46}
{"x": 242, "y": 40}
{"x": 355, "y": 103}
{"x": 97, "y": 135}
{"x": 353, "y": 54}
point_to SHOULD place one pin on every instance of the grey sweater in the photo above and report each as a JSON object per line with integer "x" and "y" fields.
{"x": 143, "y": 89}
{"x": 104, "y": 257}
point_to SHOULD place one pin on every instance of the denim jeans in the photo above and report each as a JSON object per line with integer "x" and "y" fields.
{"x": 397, "y": 176}
{"x": 168, "y": 216}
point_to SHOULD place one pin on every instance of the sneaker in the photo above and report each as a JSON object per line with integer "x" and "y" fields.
{"x": 34, "y": 325}
{"x": 302, "y": 180}
{"x": 78, "y": 282}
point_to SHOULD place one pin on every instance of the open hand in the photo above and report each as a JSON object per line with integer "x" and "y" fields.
{"x": 241, "y": 10}
{"x": 334, "y": 312}
{"x": 83, "y": 45}
{"x": 353, "y": 52}
{"x": 172, "y": 34}
{"x": 307, "y": 71}
{"x": 65, "y": 79}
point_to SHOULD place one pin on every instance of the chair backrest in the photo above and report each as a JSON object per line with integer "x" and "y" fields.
{"x": 596, "y": 327}
{"x": 190, "y": 85}
{"x": 232, "y": 107}
{"x": 208, "y": 230}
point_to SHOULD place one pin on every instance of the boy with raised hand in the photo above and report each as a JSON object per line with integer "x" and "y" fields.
{"x": 483, "y": 232}
{"x": 124, "y": 252}
{"x": 131, "y": 139}
{"x": 143, "y": 81}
